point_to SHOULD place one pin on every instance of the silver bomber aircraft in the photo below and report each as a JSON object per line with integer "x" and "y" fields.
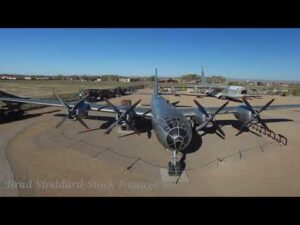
{"x": 174, "y": 127}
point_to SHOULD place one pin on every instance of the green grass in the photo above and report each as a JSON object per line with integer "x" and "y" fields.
{"x": 40, "y": 88}
{"x": 43, "y": 89}
{"x": 294, "y": 90}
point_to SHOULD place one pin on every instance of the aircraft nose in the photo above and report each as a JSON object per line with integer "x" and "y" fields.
{"x": 178, "y": 139}
{"x": 178, "y": 142}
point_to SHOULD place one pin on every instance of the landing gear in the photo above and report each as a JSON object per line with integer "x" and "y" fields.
{"x": 175, "y": 167}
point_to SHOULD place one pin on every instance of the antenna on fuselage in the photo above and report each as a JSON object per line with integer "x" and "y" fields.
{"x": 203, "y": 80}
{"x": 156, "y": 83}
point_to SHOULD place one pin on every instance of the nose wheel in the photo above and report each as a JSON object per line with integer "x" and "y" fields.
{"x": 175, "y": 167}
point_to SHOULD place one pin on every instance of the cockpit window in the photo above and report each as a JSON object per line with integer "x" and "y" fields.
{"x": 175, "y": 122}
{"x": 179, "y": 132}
{"x": 163, "y": 124}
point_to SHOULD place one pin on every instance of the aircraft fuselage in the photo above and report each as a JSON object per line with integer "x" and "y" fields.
{"x": 171, "y": 127}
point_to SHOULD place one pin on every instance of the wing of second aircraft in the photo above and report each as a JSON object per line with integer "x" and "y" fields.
{"x": 32, "y": 101}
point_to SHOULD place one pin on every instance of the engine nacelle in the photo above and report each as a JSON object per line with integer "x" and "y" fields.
{"x": 131, "y": 118}
{"x": 243, "y": 113}
{"x": 200, "y": 119}
{"x": 80, "y": 111}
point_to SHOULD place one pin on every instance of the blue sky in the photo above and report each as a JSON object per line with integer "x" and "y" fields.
{"x": 236, "y": 53}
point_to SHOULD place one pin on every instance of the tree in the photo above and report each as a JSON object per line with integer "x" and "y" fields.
{"x": 59, "y": 77}
{"x": 233, "y": 83}
{"x": 151, "y": 78}
{"x": 217, "y": 79}
{"x": 190, "y": 77}
{"x": 110, "y": 78}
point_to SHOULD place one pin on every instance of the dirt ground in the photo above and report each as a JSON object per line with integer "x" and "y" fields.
{"x": 39, "y": 160}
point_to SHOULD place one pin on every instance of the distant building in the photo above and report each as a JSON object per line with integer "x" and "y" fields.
{"x": 284, "y": 85}
{"x": 128, "y": 79}
{"x": 190, "y": 90}
{"x": 193, "y": 81}
{"x": 8, "y": 78}
{"x": 98, "y": 80}
{"x": 42, "y": 78}
{"x": 125, "y": 80}
{"x": 27, "y": 78}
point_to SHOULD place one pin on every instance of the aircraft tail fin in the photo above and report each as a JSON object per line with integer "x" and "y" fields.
{"x": 156, "y": 83}
{"x": 203, "y": 80}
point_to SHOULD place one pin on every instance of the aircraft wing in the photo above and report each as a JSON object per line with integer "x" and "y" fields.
{"x": 94, "y": 107}
{"x": 199, "y": 95}
{"x": 192, "y": 111}
{"x": 140, "y": 111}
{"x": 32, "y": 101}
{"x": 242, "y": 96}
{"x": 187, "y": 111}
{"x": 5, "y": 94}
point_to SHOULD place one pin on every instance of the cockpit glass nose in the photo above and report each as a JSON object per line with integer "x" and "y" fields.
{"x": 178, "y": 132}
{"x": 178, "y": 144}
{"x": 175, "y": 122}
{"x": 178, "y": 138}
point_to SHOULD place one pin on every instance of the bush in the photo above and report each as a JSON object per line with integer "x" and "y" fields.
{"x": 294, "y": 92}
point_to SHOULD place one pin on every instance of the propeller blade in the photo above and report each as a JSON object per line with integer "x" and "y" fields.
{"x": 90, "y": 130}
{"x": 201, "y": 107}
{"x": 244, "y": 126}
{"x": 112, "y": 105}
{"x": 80, "y": 101}
{"x": 149, "y": 134}
{"x": 61, "y": 122}
{"x": 126, "y": 135}
{"x": 220, "y": 130}
{"x": 132, "y": 128}
{"x": 132, "y": 107}
{"x": 62, "y": 101}
{"x": 202, "y": 125}
{"x": 220, "y": 136}
{"x": 262, "y": 123}
{"x": 108, "y": 130}
{"x": 145, "y": 113}
{"x": 249, "y": 106}
{"x": 266, "y": 106}
{"x": 241, "y": 131}
{"x": 82, "y": 122}
{"x": 222, "y": 107}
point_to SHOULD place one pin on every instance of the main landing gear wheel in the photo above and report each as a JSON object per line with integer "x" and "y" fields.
{"x": 176, "y": 167}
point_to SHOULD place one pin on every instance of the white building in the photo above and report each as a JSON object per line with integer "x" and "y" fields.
{"x": 190, "y": 90}
{"x": 27, "y": 78}
{"x": 98, "y": 80}
{"x": 8, "y": 78}
{"x": 125, "y": 80}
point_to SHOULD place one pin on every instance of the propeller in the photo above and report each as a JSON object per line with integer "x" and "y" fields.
{"x": 145, "y": 113}
{"x": 122, "y": 116}
{"x": 71, "y": 111}
{"x": 175, "y": 103}
{"x": 255, "y": 116}
{"x": 209, "y": 117}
